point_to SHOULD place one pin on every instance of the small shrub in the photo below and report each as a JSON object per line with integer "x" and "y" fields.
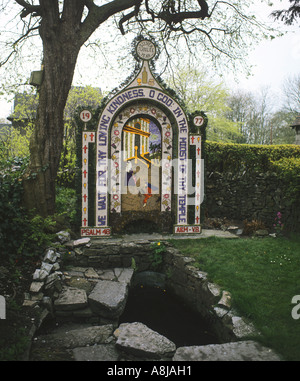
{"x": 66, "y": 202}
{"x": 156, "y": 256}
{"x": 20, "y": 234}
{"x": 278, "y": 224}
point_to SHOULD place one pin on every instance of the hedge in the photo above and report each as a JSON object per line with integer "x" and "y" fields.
{"x": 229, "y": 157}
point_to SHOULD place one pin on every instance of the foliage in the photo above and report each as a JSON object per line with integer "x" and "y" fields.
{"x": 258, "y": 122}
{"x": 133, "y": 264}
{"x": 83, "y": 97}
{"x": 25, "y": 106}
{"x": 288, "y": 170}
{"x": 280, "y": 125}
{"x": 278, "y": 225}
{"x": 263, "y": 276}
{"x": 287, "y": 167}
{"x": 237, "y": 116}
{"x": 15, "y": 142}
{"x": 16, "y": 137}
{"x": 67, "y": 165}
{"x": 66, "y": 203}
{"x": 20, "y": 235}
{"x": 86, "y": 96}
{"x": 156, "y": 256}
{"x": 12, "y": 216}
{"x": 230, "y": 157}
{"x": 199, "y": 91}
{"x": 13, "y": 347}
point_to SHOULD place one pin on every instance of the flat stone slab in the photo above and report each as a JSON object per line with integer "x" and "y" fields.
{"x": 241, "y": 328}
{"x": 36, "y": 287}
{"x": 71, "y": 299}
{"x": 108, "y": 298}
{"x": 91, "y": 273}
{"x": 237, "y": 351}
{"x": 102, "y": 352}
{"x": 139, "y": 340}
{"x": 78, "y": 337}
{"x": 79, "y": 282}
{"x": 124, "y": 275}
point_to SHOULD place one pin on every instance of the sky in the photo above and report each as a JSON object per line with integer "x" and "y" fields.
{"x": 273, "y": 61}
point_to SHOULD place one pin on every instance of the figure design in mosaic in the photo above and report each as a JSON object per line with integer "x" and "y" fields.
{"x": 144, "y": 135}
{"x": 141, "y": 153}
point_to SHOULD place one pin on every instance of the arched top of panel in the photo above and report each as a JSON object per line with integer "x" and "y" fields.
{"x": 145, "y": 87}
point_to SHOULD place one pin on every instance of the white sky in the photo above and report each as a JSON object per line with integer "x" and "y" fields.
{"x": 273, "y": 61}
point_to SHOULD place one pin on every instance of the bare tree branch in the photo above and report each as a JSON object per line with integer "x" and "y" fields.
{"x": 99, "y": 14}
{"x": 127, "y": 17}
{"x": 172, "y": 16}
{"x": 29, "y": 8}
{"x": 16, "y": 43}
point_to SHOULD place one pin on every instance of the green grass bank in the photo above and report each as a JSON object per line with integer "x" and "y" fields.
{"x": 263, "y": 275}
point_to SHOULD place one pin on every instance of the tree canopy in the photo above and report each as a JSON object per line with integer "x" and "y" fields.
{"x": 220, "y": 32}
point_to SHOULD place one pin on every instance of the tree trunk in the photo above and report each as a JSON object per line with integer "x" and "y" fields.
{"x": 61, "y": 50}
{"x": 63, "y": 33}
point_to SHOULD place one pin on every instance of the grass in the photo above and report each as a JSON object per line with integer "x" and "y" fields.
{"x": 263, "y": 275}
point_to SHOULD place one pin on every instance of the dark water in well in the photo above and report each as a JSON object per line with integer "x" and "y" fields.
{"x": 164, "y": 313}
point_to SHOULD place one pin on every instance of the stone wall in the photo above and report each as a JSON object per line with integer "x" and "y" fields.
{"x": 250, "y": 196}
{"x": 191, "y": 285}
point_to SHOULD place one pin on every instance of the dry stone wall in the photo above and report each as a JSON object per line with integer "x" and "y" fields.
{"x": 250, "y": 196}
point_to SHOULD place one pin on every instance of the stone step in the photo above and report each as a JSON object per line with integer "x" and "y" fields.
{"x": 132, "y": 341}
{"x": 102, "y": 352}
{"x": 89, "y": 293}
{"x": 71, "y": 299}
{"x": 58, "y": 344}
{"x": 135, "y": 341}
{"x": 108, "y": 298}
{"x": 139, "y": 340}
